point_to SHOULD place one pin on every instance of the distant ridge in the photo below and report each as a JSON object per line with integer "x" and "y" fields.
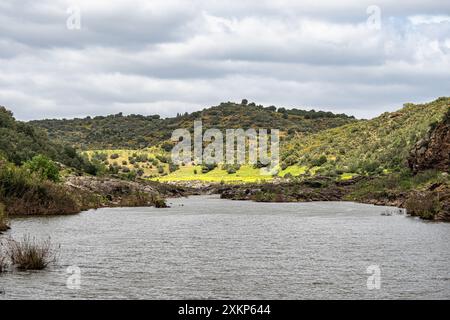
{"x": 138, "y": 131}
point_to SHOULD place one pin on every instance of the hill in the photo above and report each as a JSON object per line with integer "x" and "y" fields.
{"x": 21, "y": 141}
{"x": 370, "y": 146}
{"x": 138, "y": 131}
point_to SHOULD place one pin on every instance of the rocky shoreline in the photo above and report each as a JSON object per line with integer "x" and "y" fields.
{"x": 112, "y": 192}
{"x": 89, "y": 192}
{"x": 430, "y": 203}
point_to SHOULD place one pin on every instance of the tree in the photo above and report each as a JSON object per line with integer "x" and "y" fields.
{"x": 244, "y": 102}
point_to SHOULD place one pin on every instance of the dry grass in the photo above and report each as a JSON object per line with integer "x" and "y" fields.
{"x": 30, "y": 253}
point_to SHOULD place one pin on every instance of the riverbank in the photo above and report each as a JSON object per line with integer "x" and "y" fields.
{"x": 426, "y": 195}
{"x": 79, "y": 193}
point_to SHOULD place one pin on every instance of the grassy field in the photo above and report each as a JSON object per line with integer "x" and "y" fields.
{"x": 189, "y": 173}
{"x": 160, "y": 171}
{"x": 124, "y": 156}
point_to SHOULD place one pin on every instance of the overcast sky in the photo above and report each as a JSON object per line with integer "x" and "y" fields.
{"x": 164, "y": 57}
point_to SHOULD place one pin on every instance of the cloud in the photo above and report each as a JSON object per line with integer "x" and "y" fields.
{"x": 174, "y": 56}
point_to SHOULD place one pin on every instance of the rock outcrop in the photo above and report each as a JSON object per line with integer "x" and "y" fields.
{"x": 433, "y": 152}
{"x": 102, "y": 192}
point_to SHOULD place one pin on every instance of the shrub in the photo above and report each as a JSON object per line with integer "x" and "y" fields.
{"x": 3, "y": 263}
{"x": 31, "y": 254}
{"x": 231, "y": 170}
{"x": 141, "y": 158}
{"x": 96, "y": 168}
{"x": 426, "y": 206}
{"x": 114, "y": 156}
{"x": 319, "y": 161}
{"x": 162, "y": 158}
{"x": 131, "y": 175}
{"x": 23, "y": 193}
{"x": 208, "y": 167}
{"x": 43, "y": 167}
{"x": 173, "y": 167}
{"x": 371, "y": 166}
{"x": 113, "y": 169}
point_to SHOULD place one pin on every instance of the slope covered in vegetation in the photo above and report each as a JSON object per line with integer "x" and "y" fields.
{"x": 32, "y": 182}
{"x": 138, "y": 131}
{"x": 19, "y": 142}
{"x": 382, "y": 143}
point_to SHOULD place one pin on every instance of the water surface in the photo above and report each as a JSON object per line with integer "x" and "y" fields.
{"x": 205, "y": 247}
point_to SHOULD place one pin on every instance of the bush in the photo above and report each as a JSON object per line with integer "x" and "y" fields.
{"x": 208, "y": 167}
{"x": 114, "y": 156}
{"x": 426, "y": 206}
{"x": 43, "y": 167}
{"x": 31, "y": 254}
{"x": 371, "y": 167}
{"x": 95, "y": 168}
{"x": 131, "y": 175}
{"x": 24, "y": 193}
{"x": 162, "y": 158}
{"x": 100, "y": 156}
{"x": 319, "y": 161}
{"x": 141, "y": 158}
{"x": 167, "y": 146}
{"x": 288, "y": 176}
{"x": 231, "y": 170}
{"x": 173, "y": 167}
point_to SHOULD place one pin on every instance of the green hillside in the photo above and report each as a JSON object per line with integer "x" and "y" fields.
{"x": 312, "y": 143}
{"x": 371, "y": 146}
{"x": 21, "y": 141}
{"x": 138, "y": 131}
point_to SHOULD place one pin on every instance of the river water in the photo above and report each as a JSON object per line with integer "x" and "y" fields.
{"x": 204, "y": 247}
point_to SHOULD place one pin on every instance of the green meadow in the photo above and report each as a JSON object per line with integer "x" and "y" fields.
{"x": 151, "y": 163}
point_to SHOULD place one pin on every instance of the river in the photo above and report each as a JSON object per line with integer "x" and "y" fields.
{"x": 203, "y": 247}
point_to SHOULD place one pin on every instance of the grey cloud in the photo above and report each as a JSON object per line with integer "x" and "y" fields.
{"x": 175, "y": 56}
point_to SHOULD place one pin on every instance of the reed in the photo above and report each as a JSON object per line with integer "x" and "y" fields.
{"x": 30, "y": 253}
